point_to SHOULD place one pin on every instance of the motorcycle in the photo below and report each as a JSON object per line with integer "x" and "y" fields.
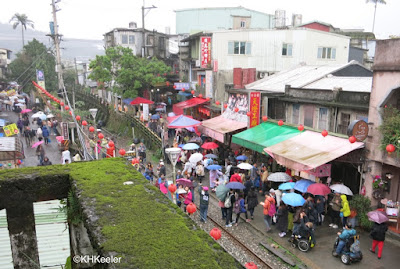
{"x": 347, "y": 255}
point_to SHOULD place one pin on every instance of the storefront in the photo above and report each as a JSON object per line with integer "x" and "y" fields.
{"x": 182, "y": 107}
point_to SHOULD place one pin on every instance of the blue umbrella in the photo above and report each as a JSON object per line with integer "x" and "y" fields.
{"x": 286, "y": 186}
{"x": 293, "y": 199}
{"x": 235, "y": 185}
{"x": 302, "y": 185}
{"x": 183, "y": 122}
{"x": 241, "y": 158}
{"x": 190, "y": 146}
{"x": 212, "y": 156}
{"x": 181, "y": 145}
{"x": 214, "y": 167}
{"x": 155, "y": 117}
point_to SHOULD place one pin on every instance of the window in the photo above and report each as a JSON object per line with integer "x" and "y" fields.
{"x": 309, "y": 116}
{"x": 296, "y": 114}
{"x": 326, "y": 53}
{"x": 323, "y": 119}
{"x": 242, "y": 24}
{"x": 239, "y": 47}
{"x": 287, "y": 49}
{"x": 124, "y": 39}
{"x": 344, "y": 123}
{"x": 131, "y": 39}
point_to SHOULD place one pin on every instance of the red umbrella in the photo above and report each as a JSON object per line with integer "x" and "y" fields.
{"x": 140, "y": 100}
{"x": 210, "y": 145}
{"x": 318, "y": 189}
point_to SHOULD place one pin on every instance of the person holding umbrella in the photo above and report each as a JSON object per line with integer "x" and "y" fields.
{"x": 378, "y": 231}
{"x": 269, "y": 210}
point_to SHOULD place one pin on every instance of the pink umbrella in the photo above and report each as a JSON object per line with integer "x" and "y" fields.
{"x": 27, "y": 110}
{"x": 185, "y": 182}
{"x": 209, "y": 145}
{"x": 318, "y": 189}
{"x": 37, "y": 144}
{"x": 59, "y": 138}
{"x": 377, "y": 216}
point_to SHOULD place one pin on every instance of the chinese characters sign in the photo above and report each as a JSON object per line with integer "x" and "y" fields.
{"x": 40, "y": 78}
{"x": 182, "y": 85}
{"x": 11, "y": 129}
{"x": 254, "y": 109}
{"x": 205, "y": 51}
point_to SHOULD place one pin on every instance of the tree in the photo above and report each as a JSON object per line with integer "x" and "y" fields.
{"x": 34, "y": 57}
{"x": 22, "y": 19}
{"x": 376, "y": 2}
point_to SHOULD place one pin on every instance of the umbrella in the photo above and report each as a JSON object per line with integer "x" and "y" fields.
{"x": 21, "y": 100}
{"x": 59, "y": 138}
{"x": 377, "y": 216}
{"x": 279, "y": 177}
{"x": 184, "y": 122}
{"x": 50, "y": 116}
{"x": 212, "y": 156}
{"x": 196, "y": 157}
{"x": 245, "y": 166}
{"x": 241, "y": 158}
{"x": 185, "y": 182}
{"x": 162, "y": 104}
{"x": 302, "y": 185}
{"x": 214, "y": 167}
{"x": 286, "y": 186}
{"x": 19, "y": 104}
{"x": 155, "y": 117}
{"x": 190, "y": 146}
{"x": 36, "y": 115}
{"x": 140, "y": 100}
{"x": 27, "y": 110}
{"x": 181, "y": 145}
{"x": 293, "y": 199}
{"x": 37, "y": 144}
{"x": 318, "y": 189}
{"x": 235, "y": 185}
{"x": 221, "y": 192}
{"x": 173, "y": 117}
{"x": 42, "y": 117}
{"x": 160, "y": 109}
{"x": 210, "y": 145}
{"x": 340, "y": 188}
{"x": 171, "y": 114}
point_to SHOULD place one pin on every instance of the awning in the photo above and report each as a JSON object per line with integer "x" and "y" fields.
{"x": 217, "y": 127}
{"x": 140, "y": 100}
{"x": 179, "y": 107}
{"x": 310, "y": 150}
{"x": 264, "y": 135}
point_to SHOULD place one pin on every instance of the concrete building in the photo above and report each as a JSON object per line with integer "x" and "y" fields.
{"x": 189, "y": 21}
{"x": 385, "y": 93}
{"x": 5, "y": 60}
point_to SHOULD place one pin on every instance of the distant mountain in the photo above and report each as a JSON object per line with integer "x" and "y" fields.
{"x": 81, "y": 49}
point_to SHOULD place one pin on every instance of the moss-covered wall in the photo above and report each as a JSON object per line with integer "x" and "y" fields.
{"x": 135, "y": 222}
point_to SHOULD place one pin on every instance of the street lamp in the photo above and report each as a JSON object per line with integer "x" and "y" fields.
{"x": 173, "y": 155}
{"x": 143, "y": 30}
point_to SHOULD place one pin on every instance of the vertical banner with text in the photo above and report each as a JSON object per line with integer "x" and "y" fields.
{"x": 40, "y": 78}
{"x": 254, "y": 108}
{"x": 205, "y": 51}
{"x": 209, "y": 83}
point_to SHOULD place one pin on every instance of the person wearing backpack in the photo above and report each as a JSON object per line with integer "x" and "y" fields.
{"x": 269, "y": 210}
{"x": 229, "y": 202}
{"x": 240, "y": 208}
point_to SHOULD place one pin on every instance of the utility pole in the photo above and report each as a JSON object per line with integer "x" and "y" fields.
{"x": 56, "y": 38}
{"x": 143, "y": 29}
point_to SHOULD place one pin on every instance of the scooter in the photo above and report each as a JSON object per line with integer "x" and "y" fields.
{"x": 346, "y": 256}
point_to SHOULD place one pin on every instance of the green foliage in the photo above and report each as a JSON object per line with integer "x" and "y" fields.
{"x": 70, "y": 79}
{"x": 390, "y": 127}
{"x": 72, "y": 208}
{"x": 21, "y": 19}
{"x": 362, "y": 205}
{"x": 34, "y": 56}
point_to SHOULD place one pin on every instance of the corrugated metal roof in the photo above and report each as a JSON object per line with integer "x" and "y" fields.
{"x": 52, "y": 235}
{"x": 351, "y": 84}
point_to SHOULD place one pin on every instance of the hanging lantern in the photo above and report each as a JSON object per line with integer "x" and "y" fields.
{"x": 91, "y": 129}
{"x": 280, "y": 123}
{"x": 236, "y": 109}
{"x": 208, "y": 99}
{"x": 66, "y": 107}
{"x": 225, "y": 105}
{"x": 215, "y": 233}
{"x": 174, "y": 86}
{"x": 390, "y": 148}
{"x": 352, "y": 139}
{"x": 183, "y": 89}
{"x": 135, "y": 161}
{"x": 324, "y": 133}
{"x": 200, "y": 95}
{"x": 264, "y": 118}
{"x": 248, "y": 113}
{"x": 301, "y": 127}
{"x": 70, "y": 113}
{"x": 84, "y": 123}
{"x": 111, "y": 144}
{"x": 250, "y": 265}
{"x": 78, "y": 118}
{"x": 172, "y": 188}
{"x": 192, "y": 92}
{"x": 167, "y": 83}
{"x": 191, "y": 208}
{"x": 62, "y": 104}
{"x": 122, "y": 152}
{"x": 100, "y": 135}
{"x": 217, "y": 103}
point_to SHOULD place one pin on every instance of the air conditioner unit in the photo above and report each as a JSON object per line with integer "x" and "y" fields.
{"x": 197, "y": 63}
{"x": 261, "y": 75}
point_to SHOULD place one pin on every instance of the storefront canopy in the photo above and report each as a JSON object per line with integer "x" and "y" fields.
{"x": 179, "y": 107}
{"x": 140, "y": 100}
{"x": 183, "y": 122}
{"x": 217, "y": 127}
{"x": 264, "y": 135}
{"x": 310, "y": 150}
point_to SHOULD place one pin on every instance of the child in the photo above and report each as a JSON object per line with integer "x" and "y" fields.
{"x": 240, "y": 208}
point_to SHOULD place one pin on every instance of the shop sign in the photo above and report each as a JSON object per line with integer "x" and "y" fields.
{"x": 11, "y": 129}
{"x": 64, "y": 130}
{"x": 182, "y": 85}
{"x": 205, "y": 51}
{"x": 254, "y": 108}
{"x": 359, "y": 129}
{"x": 209, "y": 84}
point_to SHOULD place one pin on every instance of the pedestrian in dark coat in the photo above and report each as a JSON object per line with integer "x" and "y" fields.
{"x": 378, "y": 237}
{"x": 282, "y": 220}
{"x": 252, "y": 201}
{"x": 46, "y": 134}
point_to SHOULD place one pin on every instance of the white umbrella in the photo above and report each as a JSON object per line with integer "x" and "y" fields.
{"x": 50, "y": 116}
{"x": 21, "y": 100}
{"x": 279, "y": 177}
{"x": 245, "y": 166}
{"x": 19, "y": 104}
{"x": 37, "y": 114}
{"x": 340, "y": 188}
{"x": 196, "y": 157}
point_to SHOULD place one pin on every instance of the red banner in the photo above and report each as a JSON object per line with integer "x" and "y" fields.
{"x": 255, "y": 109}
{"x": 205, "y": 51}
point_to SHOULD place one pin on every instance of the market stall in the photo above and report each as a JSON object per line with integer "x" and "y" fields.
{"x": 11, "y": 152}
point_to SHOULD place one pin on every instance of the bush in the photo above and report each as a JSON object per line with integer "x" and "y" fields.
{"x": 362, "y": 205}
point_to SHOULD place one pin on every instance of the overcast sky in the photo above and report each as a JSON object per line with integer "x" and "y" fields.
{"x": 90, "y": 19}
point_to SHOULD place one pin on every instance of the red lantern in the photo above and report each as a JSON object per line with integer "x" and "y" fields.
{"x": 324, "y": 133}
{"x": 111, "y": 144}
{"x": 352, "y": 139}
{"x": 172, "y": 188}
{"x": 236, "y": 109}
{"x": 19, "y": 162}
{"x": 167, "y": 83}
{"x": 66, "y": 107}
{"x": 215, "y": 233}
{"x": 248, "y": 114}
{"x": 84, "y": 123}
{"x": 192, "y": 92}
{"x": 78, "y": 118}
{"x": 70, "y": 113}
{"x": 280, "y": 123}
{"x": 183, "y": 89}
{"x": 301, "y": 127}
{"x": 174, "y": 86}
{"x": 264, "y": 118}
{"x": 91, "y": 129}
{"x": 191, "y": 208}
{"x": 122, "y": 152}
{"x": 217, "y": 103}
{"x": 58, "y": 101}
{"x": 208, "y": 99}
{"x": 100, "y": 135}
{"x": 390, "y": 148}
{"x": 250, "y": 265}
{"x": 62, "y": 104}
{"x": 200, "y": 95}
{"x": 225, "y": 105}
{"x": 135, "y": 161}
